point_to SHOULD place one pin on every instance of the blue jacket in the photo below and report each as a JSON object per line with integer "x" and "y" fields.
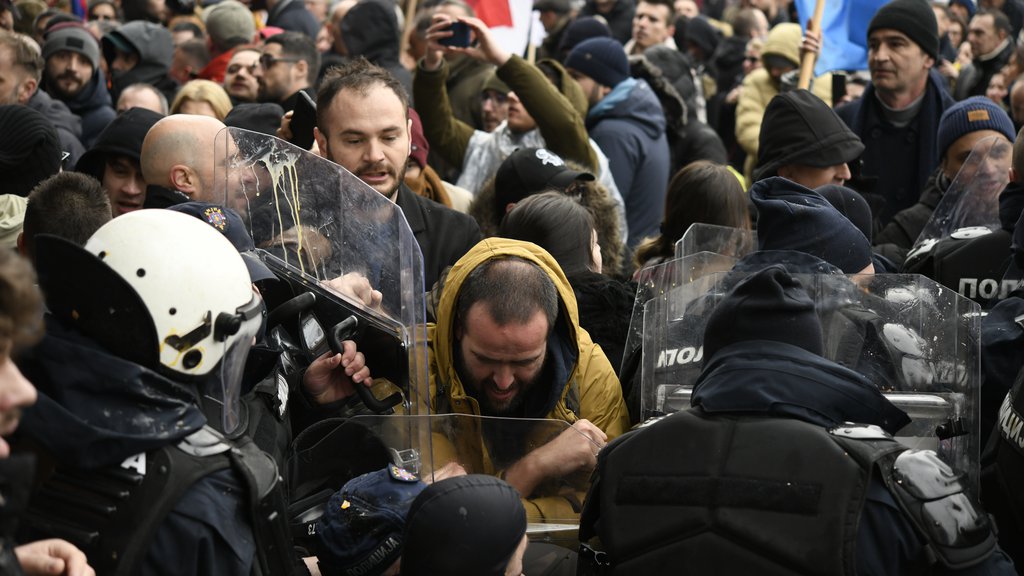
{"x": 629, "y": 127}
{"x": 773, "y": 379}
{"x": 900, "y": 159}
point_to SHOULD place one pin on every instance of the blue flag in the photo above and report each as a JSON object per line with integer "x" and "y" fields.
{"x": 844, "y": 32}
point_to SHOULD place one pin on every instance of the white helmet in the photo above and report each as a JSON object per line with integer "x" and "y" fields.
{"x": 191, "y": 279}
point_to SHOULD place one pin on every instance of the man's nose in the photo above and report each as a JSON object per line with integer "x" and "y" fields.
{"x": 504, "y": 377}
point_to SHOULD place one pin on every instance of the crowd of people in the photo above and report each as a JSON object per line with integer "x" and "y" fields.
{"x": 161, "y": 421}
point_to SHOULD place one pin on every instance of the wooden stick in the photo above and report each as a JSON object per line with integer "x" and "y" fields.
{"x": 807, "y": 59}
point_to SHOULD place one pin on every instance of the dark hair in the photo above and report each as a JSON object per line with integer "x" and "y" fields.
{"x": 196, "y": 51}
{"x": 701, "y": 192}
{"x": 298, "y": 45}
{"x": 512, "y": 289}
{"x": 23, "y": 54}
{"x": 70, "y": 205}
{"x": 92, "y": 6}
{"x": 358, "y": 75}
{"x": 666, "y": 3}
{"x": 189, "y": 26}
{"x": 556, "y": 223}
{"x": 744, "y": 22}
{"x": 999, "y": 19}
{"x": 21, "y": 304}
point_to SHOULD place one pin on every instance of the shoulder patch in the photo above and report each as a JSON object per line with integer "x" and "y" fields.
{"x": 215, "y": 217}
{"x": 401, "y": 474}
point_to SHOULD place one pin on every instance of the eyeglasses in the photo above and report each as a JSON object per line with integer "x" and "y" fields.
{"x": 752, "y": 59}
{"x": 236, "y": 68}
{"x": 268, "y": 60}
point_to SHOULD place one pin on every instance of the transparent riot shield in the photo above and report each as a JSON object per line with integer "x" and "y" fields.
{"x": 970, "y": 206}
{"x": 913, "y": 338}
{"x": 351, "y": 267}
{"x": 724, "y": 240}
{"x": 653, "y": 281}
{"x": 490, "y": 445}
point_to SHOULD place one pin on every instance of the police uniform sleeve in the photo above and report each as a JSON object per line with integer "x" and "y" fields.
{"x": 207, "y": 534}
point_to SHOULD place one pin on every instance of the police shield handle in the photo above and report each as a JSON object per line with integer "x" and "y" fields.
{"x": 573, "y": 450}
{"x": 807, "y": 57}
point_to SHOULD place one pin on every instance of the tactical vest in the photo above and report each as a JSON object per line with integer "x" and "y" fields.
{"x": 971, "y": 265}
{"x": 1002, "y": 471}
{"x": 113, "y": 514}
{"x": 752, "y": 495}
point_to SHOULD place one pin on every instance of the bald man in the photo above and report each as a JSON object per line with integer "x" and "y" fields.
{"x": 178, "y": 154}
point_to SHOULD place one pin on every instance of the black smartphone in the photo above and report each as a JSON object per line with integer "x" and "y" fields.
{"x": 459, "y": 37}
{"x": 838, "y": 87}
{"x": 303, "y": 121}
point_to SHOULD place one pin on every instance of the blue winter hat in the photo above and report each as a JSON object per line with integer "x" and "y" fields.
{"x": 792, "y": 217}
{"x": 361, "y": 530}
{"x": 972, "y": 115}
{"x": 602, "y": 59}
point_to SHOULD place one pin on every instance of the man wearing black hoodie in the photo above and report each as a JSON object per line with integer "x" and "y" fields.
{"x": 72, "y": 75}
{"x": 370, "y": 29}
{"x": 140, "y": 52}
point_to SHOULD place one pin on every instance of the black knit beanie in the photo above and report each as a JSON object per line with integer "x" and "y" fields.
{"x": 799, "y": 128}
{"x": 769, "y": 305}
{"x": 122, "y": 137}
{"x": 463, "y": 526}
{"x": 30, "y": 150}
{"x": 792, "y": 217}
{"x": 914, "y": 18}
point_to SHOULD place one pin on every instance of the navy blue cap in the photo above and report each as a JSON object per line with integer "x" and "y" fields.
{"x": 361, "y": 530}
{"x": 229, "y": 223}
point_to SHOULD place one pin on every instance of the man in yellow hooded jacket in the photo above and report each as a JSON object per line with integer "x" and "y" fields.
{"x": 508, "y": 343}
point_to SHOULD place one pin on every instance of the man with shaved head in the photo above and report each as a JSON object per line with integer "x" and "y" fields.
{"x": 178, "y": 154}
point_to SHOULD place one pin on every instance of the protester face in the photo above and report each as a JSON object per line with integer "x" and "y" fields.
{"x": 982, "y": 35}
{"x": 751, "y": 59}
{"x": 122, "y": 179}
{"x": 124, "y": 61}
{"x": 815, "y": 177}
{"x": 103, "y": 12}
{"x": 239, "y": 78}
{"x": 687, "y": 8}
{"x": 494, "y": 109}
{"x": 650, "y": 25}
{"x": 1017, "y": 105}
{"x": 955, "y": 33}
{"x": 16, "y": 392}
{"x": 590, "y": 87}
{"x": 501, "y": 363}
{"x": 12, "y": 80}
{"x": 962, "y": 147}
{"x": 519, "y": 120}
{"x": 996, "y": 90}
{"x": 897, "y": 64}
{"x": 68, "y": 72}
{"x": 368, "y": 134}
{"x": 274, "y": 74}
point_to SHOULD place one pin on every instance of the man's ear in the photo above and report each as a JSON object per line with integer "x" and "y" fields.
{"x": 1013, "y": 174}
{"x": 21, "y": 244}
{"x": 302, "y": 70}
{"x": 183, "y": 179}
{"x": 321, "y": 143}
{"x": 26, "y": 90}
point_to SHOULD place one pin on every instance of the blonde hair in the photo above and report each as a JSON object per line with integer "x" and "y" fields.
{"x": 203, "y": 91}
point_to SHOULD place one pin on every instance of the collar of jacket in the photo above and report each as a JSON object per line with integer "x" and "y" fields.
{"x": 765, "y": 378}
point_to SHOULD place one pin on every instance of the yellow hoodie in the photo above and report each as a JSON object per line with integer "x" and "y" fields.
{"x": 592, "y": 390}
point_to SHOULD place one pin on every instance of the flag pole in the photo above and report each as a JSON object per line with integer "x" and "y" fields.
{"x": 807, "y": 59}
